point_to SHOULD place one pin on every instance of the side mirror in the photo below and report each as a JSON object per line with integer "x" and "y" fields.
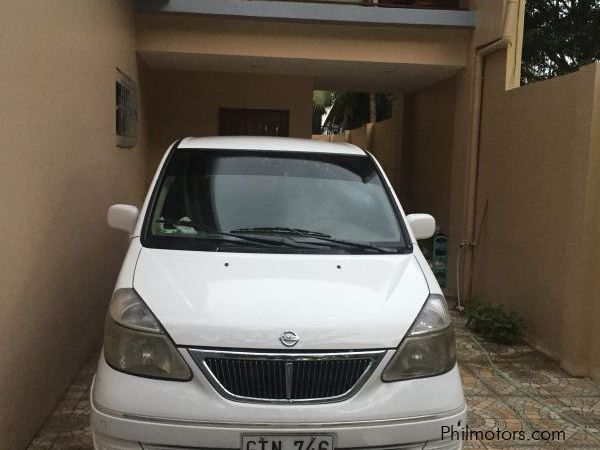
{"x": 122, "y": 217}
{"x": 422, "y": 225}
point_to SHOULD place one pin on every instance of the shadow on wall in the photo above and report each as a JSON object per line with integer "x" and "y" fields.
{"x": 59, "y": 317}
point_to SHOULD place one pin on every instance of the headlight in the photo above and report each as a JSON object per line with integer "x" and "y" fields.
{"x": 429, "y": 348}
{"x": 135, "y": 343}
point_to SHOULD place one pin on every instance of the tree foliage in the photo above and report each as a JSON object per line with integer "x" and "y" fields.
{"x": 321, "y": 101}
{"x": 349, "y": 110}
{"x": 560, "y": 36}
{"x": 353, "y": 109}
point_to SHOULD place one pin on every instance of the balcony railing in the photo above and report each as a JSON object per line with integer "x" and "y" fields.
{"x": 425, "y": 4}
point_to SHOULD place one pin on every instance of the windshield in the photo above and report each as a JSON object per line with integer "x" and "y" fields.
{"x": 230, "y": 200}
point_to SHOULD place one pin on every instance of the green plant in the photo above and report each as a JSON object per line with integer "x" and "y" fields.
{"x": 321, "y": 101}
{"x": 493, "y": 322}
{"x": 351, "y": 110}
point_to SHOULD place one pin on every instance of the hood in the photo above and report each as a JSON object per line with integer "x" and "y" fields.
{"x": 247, "y": 300}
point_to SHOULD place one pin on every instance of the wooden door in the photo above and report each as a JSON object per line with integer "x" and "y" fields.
{"x": 254, "y": 122}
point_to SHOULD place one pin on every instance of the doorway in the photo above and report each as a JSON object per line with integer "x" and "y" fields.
{"x": 254, "y": 122}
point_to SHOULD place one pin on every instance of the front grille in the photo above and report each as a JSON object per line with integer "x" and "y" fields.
{"x": 292, "y": 377}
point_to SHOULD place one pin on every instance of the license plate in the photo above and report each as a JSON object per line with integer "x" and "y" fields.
{"x": 287, "y": 442}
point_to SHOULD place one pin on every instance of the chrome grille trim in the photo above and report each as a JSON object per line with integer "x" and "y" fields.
{"x": 280, "y": 370}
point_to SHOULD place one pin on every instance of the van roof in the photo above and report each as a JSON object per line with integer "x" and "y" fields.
{"x": 269, "y": 143}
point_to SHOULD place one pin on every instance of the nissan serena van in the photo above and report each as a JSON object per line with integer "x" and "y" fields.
{"x": 274, "y": 297}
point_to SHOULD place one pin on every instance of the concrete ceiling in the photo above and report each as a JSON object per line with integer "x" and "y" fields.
{"x": 331, "y": 75}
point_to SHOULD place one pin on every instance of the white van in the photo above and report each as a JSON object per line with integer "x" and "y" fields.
{"x": 274, "y": 297}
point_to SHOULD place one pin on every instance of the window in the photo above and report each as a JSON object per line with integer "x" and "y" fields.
{"x": 205, "y": 196}
{"x": 126, "y": 111}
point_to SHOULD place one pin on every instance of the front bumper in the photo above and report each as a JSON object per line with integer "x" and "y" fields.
{"x": 154, "y": 434}
{"x": 129, "y": 412}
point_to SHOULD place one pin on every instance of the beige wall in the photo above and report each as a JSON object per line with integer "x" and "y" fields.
{"x": 186, "y": 103}
{"x": 497, "y": 19}
{"x": 236, "y": 37}
{"x": 490, "y": 20}
{"x": 387, "y": 143}
{"x": 427, "y": 153}
{"x": 60, "y": 171}
{"x": 591, "y": 310}
{"x": 538, "y": 173}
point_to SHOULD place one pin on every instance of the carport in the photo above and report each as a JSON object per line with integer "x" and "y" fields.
{"x": 197, "y": 68}
{"x": 197, "y": 71}
{"x": 179, "y": 68}
{"x": 204, "y": 75}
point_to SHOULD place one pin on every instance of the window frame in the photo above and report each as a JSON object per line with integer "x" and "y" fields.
{"x": 126, "y": 111}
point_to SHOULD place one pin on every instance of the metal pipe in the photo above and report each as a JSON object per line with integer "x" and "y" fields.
{"x": 505, "y": 41}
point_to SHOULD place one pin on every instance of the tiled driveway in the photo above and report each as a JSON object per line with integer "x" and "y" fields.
{"x": 529, "y": 393}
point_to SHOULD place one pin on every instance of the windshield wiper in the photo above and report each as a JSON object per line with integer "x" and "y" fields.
{"x": 295, "y": 231}
{"x": 171, "y": 223}
{"x": 313, "y": 235}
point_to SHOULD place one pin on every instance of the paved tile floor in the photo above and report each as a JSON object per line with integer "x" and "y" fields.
{"x": 522, "y": 391}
